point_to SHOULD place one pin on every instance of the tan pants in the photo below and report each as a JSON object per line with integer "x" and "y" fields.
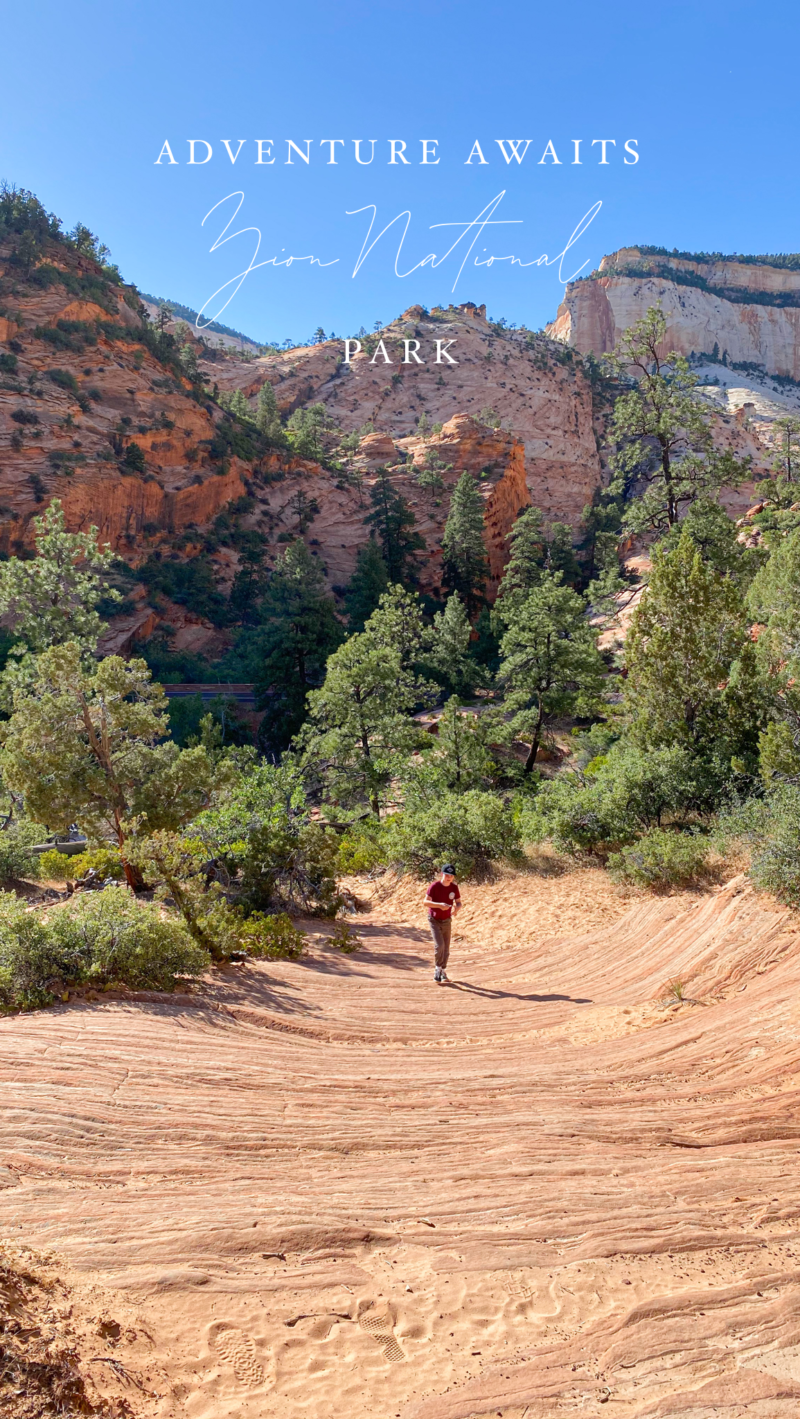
{"x": 440, "y": 931}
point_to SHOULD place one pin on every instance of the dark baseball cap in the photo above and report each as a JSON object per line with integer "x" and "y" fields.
{"x": 449, "y": 870}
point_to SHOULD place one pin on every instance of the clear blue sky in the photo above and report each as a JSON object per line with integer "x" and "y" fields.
{"x": 91, "y": 91}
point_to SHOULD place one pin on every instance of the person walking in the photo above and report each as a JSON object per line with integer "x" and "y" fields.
{"x": 443, "y": 900}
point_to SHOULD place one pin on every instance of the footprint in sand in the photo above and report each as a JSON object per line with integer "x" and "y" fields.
{"x": 238, "y": 1350}
{"x": 518, "y": 1287}
{"x": 379, "y": 1324}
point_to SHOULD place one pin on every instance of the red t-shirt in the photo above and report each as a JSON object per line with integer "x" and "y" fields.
{"x": 446, "y": 895}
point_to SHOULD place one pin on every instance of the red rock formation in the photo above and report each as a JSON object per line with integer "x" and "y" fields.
{"x": 538, "y": 392}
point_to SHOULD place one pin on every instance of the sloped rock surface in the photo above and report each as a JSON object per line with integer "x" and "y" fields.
{"x": 330, "y": 1187}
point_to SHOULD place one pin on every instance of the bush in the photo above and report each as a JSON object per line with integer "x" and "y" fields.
{"x": 103, "y": 862}
{"x": 272, "y": 937}
{"x": 112, "y": 937}
{"x": 8, "y": 364}
{"x": 64, "y": 380}
{"x": 274, "y": 857}
{"x": 99, "y": 939}
{"x": 771, "y": 829}
{"x": 470, "y": 829}
{"x": 16, "y": 859}
{"x": 616, "y": 796}
{"x": 361, "y": 848}
{"x": 661, "y": 859}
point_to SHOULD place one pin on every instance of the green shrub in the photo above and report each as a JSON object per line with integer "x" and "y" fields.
{"x": 8, "y": 364}
{"x": 64, "y": 380}
{"x": 770, "y": 827}
{"x": 73, "y": 867}
{"x": 661, "y": 859}
{"x": 361, "y": 848}
{"x": 272, "y": 937}
{"x": 98, "y": 939}
{"x": 616, "y": 796}
{"x": 344, "y": 938}
{"x": 16, "y": 859}
{"x": 112, "y": 937}
{"x": 470, "y": 829}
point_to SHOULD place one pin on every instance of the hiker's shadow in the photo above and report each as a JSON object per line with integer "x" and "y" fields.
{"x": 488, "y": 994}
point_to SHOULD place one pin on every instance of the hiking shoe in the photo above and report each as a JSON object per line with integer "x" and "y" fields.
{"x": 443, "y": 980}
{"x": 437, "y": 975}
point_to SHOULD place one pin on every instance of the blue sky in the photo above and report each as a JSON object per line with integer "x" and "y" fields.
{"x": 91, "y": 91}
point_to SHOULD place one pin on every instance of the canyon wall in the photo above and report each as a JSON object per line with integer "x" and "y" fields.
{"x": 763, "y": 330}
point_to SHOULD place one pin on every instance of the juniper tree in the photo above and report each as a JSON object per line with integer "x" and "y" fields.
{"x": 88, "y": 743}
{"x": 464, "y": 562}
{"x": 690, "y": 663}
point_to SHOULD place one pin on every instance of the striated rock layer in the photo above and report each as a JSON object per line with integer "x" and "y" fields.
{"x": 764, "y": 330}
{"x": 541, "y": 394}
{"x": 331, "y": 1188}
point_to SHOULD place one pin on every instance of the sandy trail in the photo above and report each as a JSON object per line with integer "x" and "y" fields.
{"x": 332, "y": 1188}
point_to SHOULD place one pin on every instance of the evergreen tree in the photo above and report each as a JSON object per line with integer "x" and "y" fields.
{"x": 299, "y": 631}
{"x": 366, "y": 586}
{"x": 560, "y": 554}
{"x": 393, "y": 523}
{"x": 527, "y": 557}
{"x": 359, "y": 729}
{"x": 690, "y": 664}
{"x": 82, "y": 744}
{"x": 464, "y": 562}
{"x": 787, "y": 457}
{"x": 716, "y": 537}
{"x": 240, "y": 407}
{"x": 457, "y": 761}
{"x": 396, "y": 625}
{"x": 268, "y": 419}
{"x": 774, "y": 600}
{"x": 550, "y": 664}
{"x": 448, "y": 648}
{"x": 661, "y": 431}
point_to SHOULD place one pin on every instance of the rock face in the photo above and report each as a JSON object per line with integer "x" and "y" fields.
{"x": 539, "y": 392}
{"x": 74, "y": 395}
{"x": 751, "y": 313}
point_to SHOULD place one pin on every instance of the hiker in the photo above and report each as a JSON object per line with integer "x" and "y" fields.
{"x": 442, "y": 900}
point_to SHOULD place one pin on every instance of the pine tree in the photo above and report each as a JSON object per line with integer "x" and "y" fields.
{"x": 366, "y": 586}
{"x": 240, "y": 407}
{"x": 393, "y": 523}
{"x": 268, "y": 419}
{"x": 448, "y": 648}
{"x": 396, "y": 625}
{"x": 550, "y": 663}
{"x": 526, "y": 560}
{"x": 464, "y": 562}
{"x": 299, "y": 631}
{"x": 662, "y": 432}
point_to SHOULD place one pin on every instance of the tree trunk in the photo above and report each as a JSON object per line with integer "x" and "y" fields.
{"x": 534, "y": 749}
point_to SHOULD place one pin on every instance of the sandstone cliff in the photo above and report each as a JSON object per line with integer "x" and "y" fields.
{"x": 750, "y": 312}
{"x": 538, "y": 392}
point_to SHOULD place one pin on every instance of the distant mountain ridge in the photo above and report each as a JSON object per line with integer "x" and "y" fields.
{"x": 185, "y": 312}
